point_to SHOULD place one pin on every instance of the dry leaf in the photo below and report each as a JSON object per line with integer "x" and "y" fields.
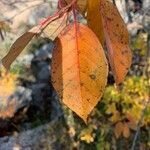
{"x": 119, "y": 129}
{"x": 94, "y": 19}
{"x": 79, "y": 69}
{"x": 18, "y": 47}
{"x": 126, "y": 130}
{"x": 53, "y": 29}
{"x": 81, "y": 5}
{"x": 22, "y": 41}
{"x": 117, "y": 40}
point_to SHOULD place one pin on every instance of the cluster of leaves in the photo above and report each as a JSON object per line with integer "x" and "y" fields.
{"x": 126, "y": 106}
{"x": 123, "y": 109}
{"x": 116, "y": 117}
{"x": 79, "y": 64}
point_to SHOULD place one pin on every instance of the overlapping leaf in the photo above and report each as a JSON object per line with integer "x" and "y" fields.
{"x": 117, "y": 40}
{"x": 51, "y": 29}
{"x": 81, "y": 5}
{"x": 79, "y": 69}
{"x": 94, "y": 19}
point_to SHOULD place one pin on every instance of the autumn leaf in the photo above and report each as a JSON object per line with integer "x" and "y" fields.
{"x": 88, "y": 138}
{"x": 79, "y": 69}
{"x": 119, "y": 127}
{"x": 94, "y": 19}
{"x": 51, "y": 28}
{"x": 126, "y": 130}
{"x": 7, "y": 88}
{"x": 18, "y": 47}
{"x": 117, "y": 40}
{"x": 81, "y": 5}
{"x": 122, "y": 128}
{"x": 132, "y": 124}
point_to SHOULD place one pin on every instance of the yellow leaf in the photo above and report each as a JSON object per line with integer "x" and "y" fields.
{"x": 7, "y": 88}
{"x": 88, "y": 138}
{"x": 79, "y": 69}
{"x": 117, "y": 40}
{"x": 94, "y": 19}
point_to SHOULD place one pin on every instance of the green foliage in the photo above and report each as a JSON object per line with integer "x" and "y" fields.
{"x": 140, "y": 43}
{"x": 131, "y": 99}
{"x": 122, "y": 105}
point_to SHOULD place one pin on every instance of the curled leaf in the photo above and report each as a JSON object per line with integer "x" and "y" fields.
{"x": 79, "y": 69}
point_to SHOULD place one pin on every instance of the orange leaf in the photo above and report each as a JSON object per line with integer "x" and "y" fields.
{"x": 126, "y": 131}
{"x": 94, "y": 19}
{"x": 119, "y": 129}
{"x": 117, "y": 40}
{"x": 79, "y": 69}
{"x": 132, "y": 124}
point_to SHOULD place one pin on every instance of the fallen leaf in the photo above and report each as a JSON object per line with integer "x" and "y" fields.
{"x": 79, "y": 69}
{"x": 117, "y": 40}
{"x": 94, "y": 19}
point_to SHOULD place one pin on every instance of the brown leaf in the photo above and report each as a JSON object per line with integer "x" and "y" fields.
{"x": 18, "y": 47}
{"x": 79, "y": 69}
{"x": 117, "y": 40}
{"x": 118, "y": 129}
{"x": 132, "y": 124}
{"x": 126, "y": 130}
{"x": 94, "y": 19}
{"x": 53, "y": 29}
{"x": 81, "y": 5}
{"x": 53, "y": 23}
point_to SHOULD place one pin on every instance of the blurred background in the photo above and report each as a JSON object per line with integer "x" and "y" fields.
{"x": 31, "y": 115}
